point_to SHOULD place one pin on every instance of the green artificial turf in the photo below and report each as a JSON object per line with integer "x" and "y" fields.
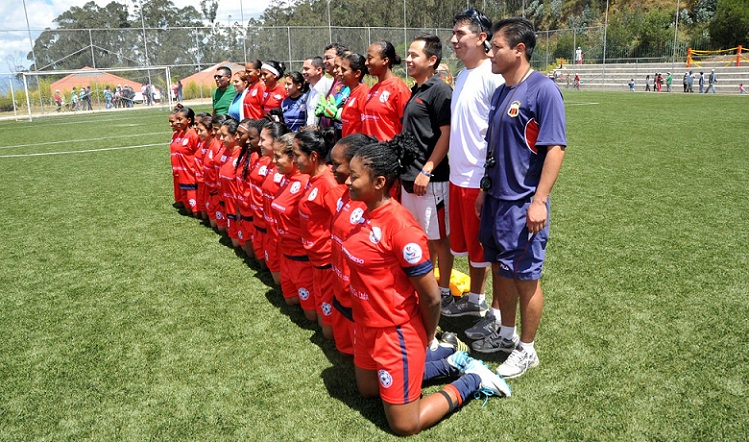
{"x": 122, "y": 320}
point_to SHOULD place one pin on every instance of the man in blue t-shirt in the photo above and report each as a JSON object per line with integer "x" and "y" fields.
{"x": 526, "y": 140}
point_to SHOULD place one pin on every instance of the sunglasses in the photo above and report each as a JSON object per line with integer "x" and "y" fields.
{"x": 218, "y": 77}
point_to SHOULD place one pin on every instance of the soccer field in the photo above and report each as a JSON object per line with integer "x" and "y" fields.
{"x": 121, "y": 319}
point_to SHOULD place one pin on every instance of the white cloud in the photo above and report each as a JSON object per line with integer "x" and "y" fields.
{"x": 14, "y": 37}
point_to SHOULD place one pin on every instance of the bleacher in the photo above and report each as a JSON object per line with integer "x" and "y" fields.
{"x": 616, "y": 76}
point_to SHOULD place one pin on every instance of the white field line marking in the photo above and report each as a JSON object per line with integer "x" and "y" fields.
{"x": 83, "y": 140}
{"x": 80, "y": 151}
{"x": 582, "y": 103}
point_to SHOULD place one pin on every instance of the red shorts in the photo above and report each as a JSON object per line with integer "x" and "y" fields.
{"x": 322, "y": 283}
{"x": 220, "y": 214}
{"x": 257, "y": 243}
{"x": 398, "y": 354}
{"x": 191, "y": 200}
{"x": 296, "y": 280}
{"x": 246, "y": 230}
{"x": 203, "y": 197}
{"x": 177, "y": 192}
{"x": 232, "y": 225}
{"x": 464, "y": 226}
{"x": 343, "y": 330}
{"x": 270, "y": 249}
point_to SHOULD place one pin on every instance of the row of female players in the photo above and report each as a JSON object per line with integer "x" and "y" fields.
{"x": 339, "y": 246}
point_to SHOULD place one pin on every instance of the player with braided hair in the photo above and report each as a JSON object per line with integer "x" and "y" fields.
{"x": 396, "y": 300}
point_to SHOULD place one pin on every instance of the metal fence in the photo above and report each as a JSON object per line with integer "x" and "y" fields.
{"x": 193, "y": 48}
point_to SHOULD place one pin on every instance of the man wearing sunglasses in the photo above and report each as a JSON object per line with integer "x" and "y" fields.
{"x": 224, "y": 93}
{"x": 526, "y": 141}
{"x": 474, "y": 87}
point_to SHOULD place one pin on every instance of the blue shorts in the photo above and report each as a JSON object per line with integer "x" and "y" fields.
{"x": 504, "y": 235}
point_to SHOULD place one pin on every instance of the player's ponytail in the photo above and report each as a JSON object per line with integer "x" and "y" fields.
{"x": 389, "y": 159}
{"x": 319, "y": 140}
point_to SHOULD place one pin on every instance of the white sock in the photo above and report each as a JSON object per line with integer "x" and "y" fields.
{"x": 506, "y": 332}
{"x": 528, "y": 347}
{"x": 497, "y": 315}
{"x": 445, "y": 292}
{"x": 474, "y": 298}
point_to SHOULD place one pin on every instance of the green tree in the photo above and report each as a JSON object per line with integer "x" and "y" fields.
{"x": 730, "y": 26}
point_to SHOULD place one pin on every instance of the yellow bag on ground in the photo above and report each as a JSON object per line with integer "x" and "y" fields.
{"x": 460, "y": 283}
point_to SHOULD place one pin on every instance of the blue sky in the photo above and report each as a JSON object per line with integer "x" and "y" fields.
{"x": 14, "y": 37}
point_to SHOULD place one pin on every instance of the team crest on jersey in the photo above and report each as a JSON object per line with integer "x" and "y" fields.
{"x": 514, "y": 110}
{"x": 219, "y": 215}
{"x": 278, "y": 96}
{"x": 295, "y": 187}
{"x": 263, "y": 171}
{"x": 185, "y": 141}
{"x": 254, "y": 93}
{"x": 412, "y": 253}
{"x": 385, "y": 379}
{"x": 375, "y": 235}
{"x": 339, "y": 205}
{"x": 192, "y": 202}
{"x": 384, "y": 96}
{"x": 303, "y": 293}
{"x": 223, "y": 158}
{"x": 326, "y": 309}
{"x": 356, "y": 216}
{"x": 312, "y": 195}
{"x": 277, "y": 178}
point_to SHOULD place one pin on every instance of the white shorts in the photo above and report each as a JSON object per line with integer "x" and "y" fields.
{"x": 431, "y": 209}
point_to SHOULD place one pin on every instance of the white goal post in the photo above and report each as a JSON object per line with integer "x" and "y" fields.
{"x": 127, "y": 89}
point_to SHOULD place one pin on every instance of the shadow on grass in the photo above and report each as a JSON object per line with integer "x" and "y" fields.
{"x": 294, "y": 312}
{"x": 340, "y": 383}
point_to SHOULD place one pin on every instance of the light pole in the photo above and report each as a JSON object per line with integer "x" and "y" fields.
{"x": 145, "y": 41}
{"x": 605, "y": 29}
{"x": 676, "y": 34}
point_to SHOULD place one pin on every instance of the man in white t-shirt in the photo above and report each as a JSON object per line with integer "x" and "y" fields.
{"x": 314, "y": 74}
{"x": 471, "y": 100}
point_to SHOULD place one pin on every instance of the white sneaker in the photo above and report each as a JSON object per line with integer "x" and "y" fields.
{"x": 491, "y": 384}
{"x": 518, "y": 363}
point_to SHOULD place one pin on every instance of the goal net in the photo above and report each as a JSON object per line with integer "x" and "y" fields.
{"x": 94, "y": 90}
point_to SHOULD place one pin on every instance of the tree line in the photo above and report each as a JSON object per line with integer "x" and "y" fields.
{"x": 163, "y": 34}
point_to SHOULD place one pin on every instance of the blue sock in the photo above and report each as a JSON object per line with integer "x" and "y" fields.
{"x": 466, "y": 385}
{"x": 439, "y": 369}
{"x": 439, "y": 354}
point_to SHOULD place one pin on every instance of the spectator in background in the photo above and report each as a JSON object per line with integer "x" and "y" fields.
{"x": 86, "y": 96}
{"x": 108, "y": 97}
{"x": 700, "y": 82}
{"x": 647, "y": 83}
{"x": 74, "y": 99}
{"x": 179, "y": 90}
{"x": 224, "y": 93}
{"x": 742, "y": 89}
{"x": 578, "y": 55}
{"x": 669, "y": 81}
{"x": 711, "y": 80}
{"x": 632, "y": 85}
{"x": 686, "y": 82}
{"x": 58, "y": 100}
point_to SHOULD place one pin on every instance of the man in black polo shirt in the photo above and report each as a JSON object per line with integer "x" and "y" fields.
{"x": 425, "y": 183}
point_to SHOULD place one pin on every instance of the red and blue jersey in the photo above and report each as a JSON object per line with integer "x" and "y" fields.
{"x": 523, "y": 121}
{"x": 285, "y": 207}
{"x": 316, "y": 209}
{"x": 386, "y": 247}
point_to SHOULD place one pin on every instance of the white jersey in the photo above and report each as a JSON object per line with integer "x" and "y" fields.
{"x": 323, "y": 86}
{"x": 470, "y": 105}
